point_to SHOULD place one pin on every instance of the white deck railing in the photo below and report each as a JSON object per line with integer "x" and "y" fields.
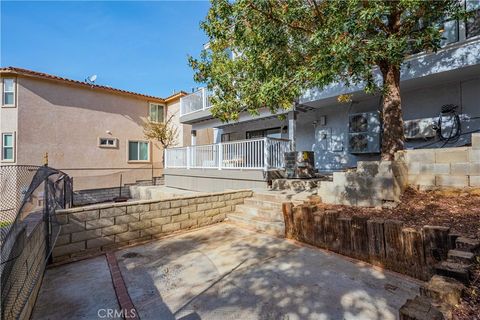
{"x": 195, "y": 101}
{"x": 259, "y": 154}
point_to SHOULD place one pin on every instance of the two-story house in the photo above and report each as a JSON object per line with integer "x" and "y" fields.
{"x": 92, "y": 132}
{"x": 440, "y": 102}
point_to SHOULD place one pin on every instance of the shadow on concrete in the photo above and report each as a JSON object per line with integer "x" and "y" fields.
{"x": 222, "y": 272}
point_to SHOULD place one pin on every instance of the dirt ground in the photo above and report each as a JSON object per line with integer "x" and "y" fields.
{"x": 470, "y": 305}
{"x": 458, "y": 209}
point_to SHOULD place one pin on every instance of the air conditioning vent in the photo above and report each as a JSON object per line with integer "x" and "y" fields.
{"x": 420, "y": 128}
{"x": 359, "y": 123}
{"x": 358, "y": 142}
{"x": 364, "y": 133}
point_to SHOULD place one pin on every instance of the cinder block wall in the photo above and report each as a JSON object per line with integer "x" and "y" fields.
{"x": 26, "y": 276}
{"x": 445, "y": 167}
{"x": 93, "y": 229}
{"x": 372, "y": 184}
{"x": 90, "y": 196}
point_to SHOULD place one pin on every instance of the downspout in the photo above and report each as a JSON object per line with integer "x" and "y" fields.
{"x": 292, "y": 126}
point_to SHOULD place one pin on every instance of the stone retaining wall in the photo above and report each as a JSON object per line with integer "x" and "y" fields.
{"x": 26, "y": 276}
{"x": 93, "y": 229}
{"x": 386, "y": 243}
{"x": 444, "y": 167}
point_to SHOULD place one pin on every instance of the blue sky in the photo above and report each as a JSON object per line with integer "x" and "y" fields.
{"x": 138, "y": 46}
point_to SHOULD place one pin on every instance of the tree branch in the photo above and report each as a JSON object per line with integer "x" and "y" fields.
{"x": 272, "y": 17}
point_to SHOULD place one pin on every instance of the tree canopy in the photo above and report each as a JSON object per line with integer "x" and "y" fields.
{"x": 283, "y": 47}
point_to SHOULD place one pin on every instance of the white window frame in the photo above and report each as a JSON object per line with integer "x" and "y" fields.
{"x": 12, "y": 146}
{"x": 108, "y": 146}
{"x": 138, "y": 151}
{"x": 14, "y": 93}
{"x": 158, "y": 113}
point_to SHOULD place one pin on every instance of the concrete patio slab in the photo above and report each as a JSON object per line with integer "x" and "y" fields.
{"x": 80, "y": 290}
{"x": 223, "y": 272}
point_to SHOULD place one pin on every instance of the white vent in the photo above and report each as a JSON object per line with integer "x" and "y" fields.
{"x": 420, "y": 128}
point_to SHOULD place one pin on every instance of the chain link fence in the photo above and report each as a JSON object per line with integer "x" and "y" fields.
{"x": 29, "y": 196}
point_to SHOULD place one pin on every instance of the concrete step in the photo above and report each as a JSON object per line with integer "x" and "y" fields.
{"x": 467, "y": 244}
{"x": 443, "y": 290}
{"x": 261, "y": 214}
{"x": 420, "y": 308}
{"x": 460, "y": 256}
{"x": 272, "y": 196}
{"x": 252, "y": 202}
{"x": 276, "y": 228}
{"x": 457, "y": 271}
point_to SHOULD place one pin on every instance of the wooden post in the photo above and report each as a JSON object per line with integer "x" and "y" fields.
{"x": 319, "y": 234}
{"x": 287, "y": 209}
{"x": 45, "y": 159}
{"x": 329, "y": 224}
{"x": 393, "y": 243}
{"x": 414, "y": 254}
{"x": 360, "y": 237}
{"x": 297, "y": 223}
{"x": 308, "y": 224}
{"x": 344, "y": 236}
{"x": 376, "y": 241}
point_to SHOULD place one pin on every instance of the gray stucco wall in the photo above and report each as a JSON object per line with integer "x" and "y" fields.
{"x": 211, "y": 180}
{"x": 452, "y": 57}
{"x": 423, "y": 101}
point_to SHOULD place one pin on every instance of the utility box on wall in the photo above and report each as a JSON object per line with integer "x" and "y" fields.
{"x": 299, "y": 164}
{"x": 364, "y": 131}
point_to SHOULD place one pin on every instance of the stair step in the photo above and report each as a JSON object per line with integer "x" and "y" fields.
{"x": 458, "y": 271}
{"x": 272, "y": 196}
{"x": 467, "y": 244}
{"x": 262, "y": 204}
{"x": 460, "y": 256}
{"x": 420, "y": 308}
{"x": 443, "y": 290}
{"x": 271, "y": 227}
{"x": 262, "y": 214}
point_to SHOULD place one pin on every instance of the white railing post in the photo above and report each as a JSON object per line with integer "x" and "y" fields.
{"x": 204, "y": 98}
{"x": 220, "y": 156}
{"x": 165, "y": 161}
{"x": 265, "y": 154}
{"x": 188, "y": 158}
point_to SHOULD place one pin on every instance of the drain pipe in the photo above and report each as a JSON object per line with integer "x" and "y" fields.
{"x": 292, "y": 126}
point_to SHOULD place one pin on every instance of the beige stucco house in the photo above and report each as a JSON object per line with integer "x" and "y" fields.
{"x": 92, "y": 132}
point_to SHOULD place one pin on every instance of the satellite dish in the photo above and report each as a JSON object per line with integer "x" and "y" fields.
{"x": 91, "y": 79}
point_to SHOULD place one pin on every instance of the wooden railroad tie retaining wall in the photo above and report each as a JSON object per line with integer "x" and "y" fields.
{"x": 385, "y": 243}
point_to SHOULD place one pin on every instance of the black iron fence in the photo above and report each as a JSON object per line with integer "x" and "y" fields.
{"x": 29, "y": 196}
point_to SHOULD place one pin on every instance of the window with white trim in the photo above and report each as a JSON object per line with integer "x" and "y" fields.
{"x": 155, "y": 112}
{"x": 7, "y": 146}
{"x": 138, "y": 151}
{"x": 8, "y": 97}
{"x": 107, "y": 142}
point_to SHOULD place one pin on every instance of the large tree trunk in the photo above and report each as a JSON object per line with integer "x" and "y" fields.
{"x": 393, "y": 136}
